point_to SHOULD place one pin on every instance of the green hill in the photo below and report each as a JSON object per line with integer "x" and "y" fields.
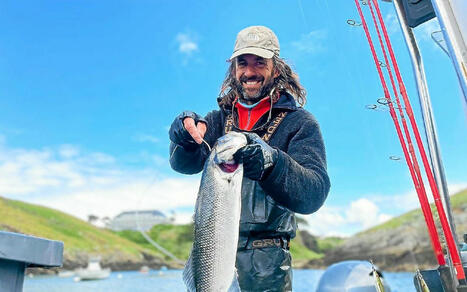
{"x": 125, "y": 249}
{"x": 457, "y": 202}
{"x": 400, "y": 244}
{"x": 80, "y": 238}
{"x": 177, "y": 239}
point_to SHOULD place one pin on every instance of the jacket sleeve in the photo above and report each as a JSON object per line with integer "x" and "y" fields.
{"x": 192, "y": 161}
{"x": 299, "y": 180}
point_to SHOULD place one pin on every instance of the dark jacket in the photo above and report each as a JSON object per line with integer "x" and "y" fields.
{"x": 298, "y": 181}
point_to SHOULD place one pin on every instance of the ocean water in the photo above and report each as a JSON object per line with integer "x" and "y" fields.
{"x": 171, "y": 280}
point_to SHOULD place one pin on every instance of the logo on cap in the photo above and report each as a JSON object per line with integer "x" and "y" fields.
{"x": 253, "y": 37}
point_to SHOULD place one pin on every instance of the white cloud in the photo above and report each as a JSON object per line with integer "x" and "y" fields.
{"x": 344, "y": 221}
{"x": 366, "y": 212}
{"x": 392, "y": 23}
{"x": 409, "y": 200}
{"x": 130, "y": 194}
{"x": 311, "y": 43}
{"x": 456, "y": 187}
{"x": 88, "y": 183}
{"x": 183, "y": 218}
{"x": 68, "y": 151}
{"x": 146, "y": 138}
{"x": 186, "y": 44}
{"x": 81, "y": 183}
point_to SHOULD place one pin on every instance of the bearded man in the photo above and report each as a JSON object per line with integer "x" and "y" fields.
{"x": 284, "y": 162}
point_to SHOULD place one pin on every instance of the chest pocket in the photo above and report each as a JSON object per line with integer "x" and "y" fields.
{"x": 254, "y": 203}
{"x": 255, "y": 207}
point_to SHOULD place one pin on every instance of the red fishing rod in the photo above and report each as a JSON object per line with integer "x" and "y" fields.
{"x": 453, "y": 251}
{"x": 418, "y": 183}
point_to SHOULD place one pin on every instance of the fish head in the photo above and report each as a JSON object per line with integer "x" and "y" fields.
{"x": 224, "y": 150}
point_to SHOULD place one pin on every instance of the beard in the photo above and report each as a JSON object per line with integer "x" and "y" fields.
{"x": 263, "y": 91}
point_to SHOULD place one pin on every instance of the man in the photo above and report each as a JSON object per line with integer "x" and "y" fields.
{"x": 284, "y": 162}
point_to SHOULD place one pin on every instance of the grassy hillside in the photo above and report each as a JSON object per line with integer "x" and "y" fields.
{"x": 457, "y": 201}
{"x": 78, "y": 236}
{"x": 178, "y": 239}
{"x": 81, "y": 238}
{"x": 328, "y": 243}
{"x": 300, "y": 251}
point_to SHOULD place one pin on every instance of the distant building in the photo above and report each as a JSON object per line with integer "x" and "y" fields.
{"x": 137, "y": 220}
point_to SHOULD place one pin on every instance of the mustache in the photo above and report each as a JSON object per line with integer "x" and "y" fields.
{"x": 251, "y": 78}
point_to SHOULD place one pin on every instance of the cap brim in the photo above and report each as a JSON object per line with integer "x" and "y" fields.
{"x": 255, "y": 51}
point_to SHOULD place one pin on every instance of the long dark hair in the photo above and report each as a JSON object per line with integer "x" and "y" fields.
{"x": 286, "y": 81}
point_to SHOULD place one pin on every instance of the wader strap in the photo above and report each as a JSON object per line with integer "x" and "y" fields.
{"x": 229, "y": 123}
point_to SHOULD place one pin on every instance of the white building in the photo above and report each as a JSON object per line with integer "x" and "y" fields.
{"x": 137, "y": 220}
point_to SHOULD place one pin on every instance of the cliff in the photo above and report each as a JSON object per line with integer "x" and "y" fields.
{"x": 400, "y": 244}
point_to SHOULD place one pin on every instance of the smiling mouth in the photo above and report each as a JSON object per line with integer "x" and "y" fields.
{"x": 252, "y": 84}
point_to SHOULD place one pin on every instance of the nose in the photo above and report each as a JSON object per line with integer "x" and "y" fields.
{"x": 250, "y": 71}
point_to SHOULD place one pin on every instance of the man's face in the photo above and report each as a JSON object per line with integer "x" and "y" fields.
{"x": 255, "y": 75}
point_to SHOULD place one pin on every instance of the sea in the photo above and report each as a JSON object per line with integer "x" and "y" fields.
{"x": 171, "y": 281}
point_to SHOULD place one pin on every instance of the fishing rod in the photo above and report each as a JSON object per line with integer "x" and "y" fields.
{"x": 418, "y": 183}
{"x": 448, "y": 233}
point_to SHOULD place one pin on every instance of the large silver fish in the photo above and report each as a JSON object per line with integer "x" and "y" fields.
{"x": 211, "y": 266}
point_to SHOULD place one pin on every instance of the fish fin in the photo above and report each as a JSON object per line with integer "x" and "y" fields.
{"x": 235, "y": 286}
{"x": 188, "y": 276}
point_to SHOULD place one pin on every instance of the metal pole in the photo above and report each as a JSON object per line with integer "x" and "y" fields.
{"x": 427, "y": 113}
{"x": 455, "y": 42}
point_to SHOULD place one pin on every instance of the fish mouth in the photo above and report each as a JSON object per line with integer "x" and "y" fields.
{"x": 228, "y": 167}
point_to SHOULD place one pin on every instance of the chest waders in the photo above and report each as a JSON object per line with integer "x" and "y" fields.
{"x": 263, "y": 258}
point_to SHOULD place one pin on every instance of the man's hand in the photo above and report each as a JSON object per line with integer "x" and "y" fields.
{"x": 187, "y": 130}
{"x": 257, "y": 157}
{"x": 196, "y": 130}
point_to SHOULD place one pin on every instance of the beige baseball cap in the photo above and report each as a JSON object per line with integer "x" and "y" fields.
{"x": 256, "y": 40}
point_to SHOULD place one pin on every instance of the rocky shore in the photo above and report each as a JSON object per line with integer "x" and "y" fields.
{"x": 116, "y": 262}
{"x": 406, "y": 247}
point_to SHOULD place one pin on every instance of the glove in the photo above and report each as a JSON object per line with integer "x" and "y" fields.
{"x": 179, "y": 135}
{"x": 257, "y": 157}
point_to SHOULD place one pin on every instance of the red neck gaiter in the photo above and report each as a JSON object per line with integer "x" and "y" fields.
{"x": 248, "y": 115}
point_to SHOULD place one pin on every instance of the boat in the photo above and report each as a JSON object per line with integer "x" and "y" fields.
{"x": 93, "y": 271}
{"x": 357, "y": 276}
{"x": 450, "y": 275}
{"x": 144, "y": 270}
{"x": 66, "y": 273}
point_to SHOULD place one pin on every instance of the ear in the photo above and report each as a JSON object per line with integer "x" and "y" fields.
{"x": 276, "y": 73}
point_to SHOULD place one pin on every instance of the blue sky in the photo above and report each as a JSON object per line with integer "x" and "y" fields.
{"x": 88, "y": 90}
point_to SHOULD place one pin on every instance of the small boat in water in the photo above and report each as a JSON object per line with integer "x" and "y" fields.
{"x": 66, "y": 273}
{"x": 93, "y": 271}
{"x": 144, "y": 270}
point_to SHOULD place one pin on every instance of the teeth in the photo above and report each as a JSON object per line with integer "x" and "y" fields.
{"x": 252, "y": 82}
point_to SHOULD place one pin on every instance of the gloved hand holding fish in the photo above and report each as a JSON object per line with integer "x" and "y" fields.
{"x": 257, "y": 157}
{"x": 211, "y": 266}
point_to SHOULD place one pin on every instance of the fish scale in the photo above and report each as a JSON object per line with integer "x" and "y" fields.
{"x": 211, "y": 266}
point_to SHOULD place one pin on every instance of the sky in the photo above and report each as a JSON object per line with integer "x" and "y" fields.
{"x": 88, "y": 90}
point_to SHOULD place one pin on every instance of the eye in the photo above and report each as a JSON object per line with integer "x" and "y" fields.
{"x": 241, "y": 64}
{"x": 260, "y": 63}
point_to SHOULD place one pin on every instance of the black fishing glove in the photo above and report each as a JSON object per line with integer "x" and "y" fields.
{"x": 179, "y": 135}
{"x": 257, "y": 157}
